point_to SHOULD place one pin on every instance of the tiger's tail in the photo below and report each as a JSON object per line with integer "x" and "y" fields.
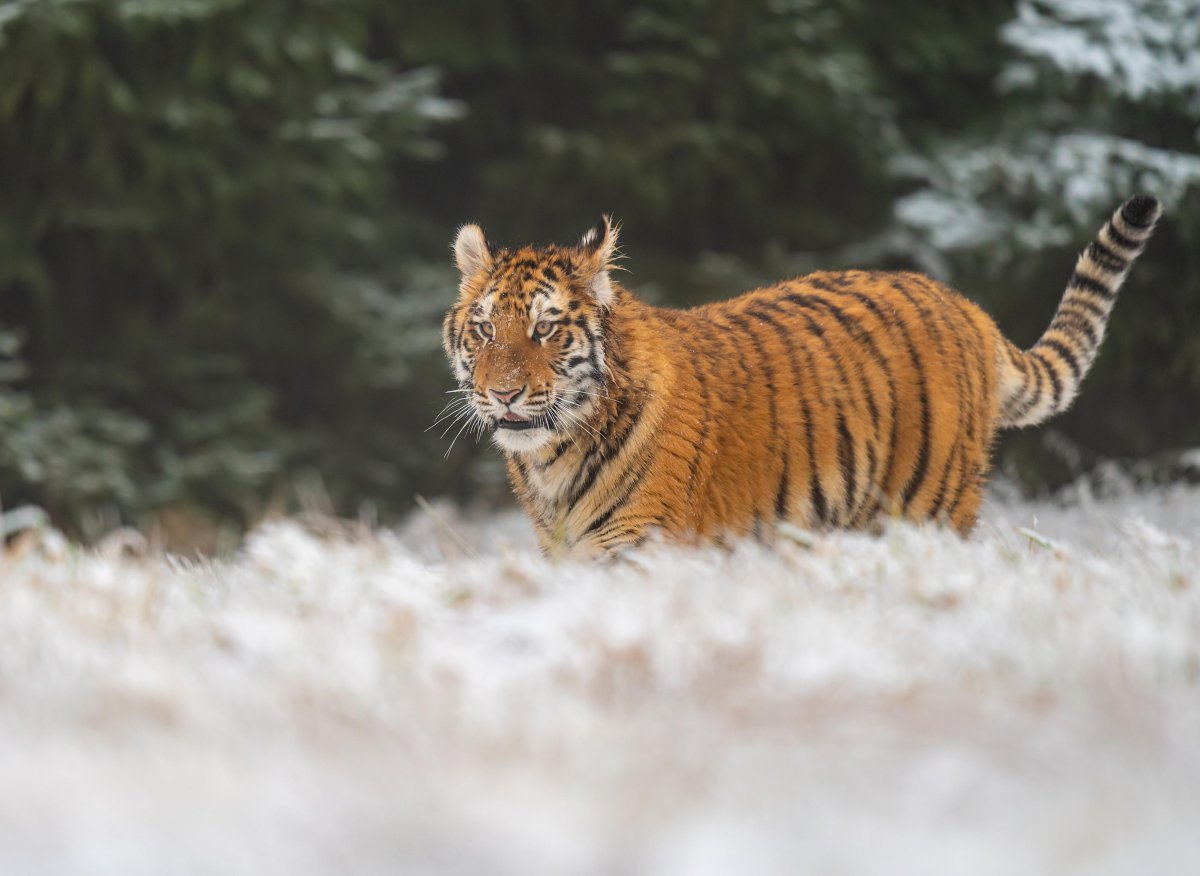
{"x": 1042, "y": 381}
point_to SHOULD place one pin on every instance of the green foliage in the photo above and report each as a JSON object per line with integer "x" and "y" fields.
{"x": 701, "y": 123}
{"x": 192, "y": 193}
{"x": 752, "y": 117}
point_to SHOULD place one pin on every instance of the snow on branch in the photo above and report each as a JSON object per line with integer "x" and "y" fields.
{"x": 1136, "y": 48}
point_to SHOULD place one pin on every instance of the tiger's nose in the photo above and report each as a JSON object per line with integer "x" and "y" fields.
{"x": 506, "y": 396}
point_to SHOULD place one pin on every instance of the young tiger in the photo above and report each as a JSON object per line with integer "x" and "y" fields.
{"x": 828, "y": 400}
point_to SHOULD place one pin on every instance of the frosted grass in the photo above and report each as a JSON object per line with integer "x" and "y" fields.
{"x": 338, "y": 700}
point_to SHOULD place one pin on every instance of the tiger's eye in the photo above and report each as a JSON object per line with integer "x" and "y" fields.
{"x": 486, "y": 330}
{"x": 543, "y": 328}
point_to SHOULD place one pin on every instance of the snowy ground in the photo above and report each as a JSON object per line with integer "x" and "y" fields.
{"x": 338, "y": 701}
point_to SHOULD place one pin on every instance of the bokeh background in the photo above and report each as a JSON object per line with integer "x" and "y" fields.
{"x": 225, "y": 224}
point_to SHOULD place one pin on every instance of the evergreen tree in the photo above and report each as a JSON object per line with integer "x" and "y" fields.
{"x": 196, "y": 243}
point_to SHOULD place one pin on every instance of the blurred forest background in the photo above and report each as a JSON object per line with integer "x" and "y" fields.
{"x": 225, "y": 224}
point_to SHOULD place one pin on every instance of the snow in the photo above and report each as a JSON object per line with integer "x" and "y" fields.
{"x": 1137, "y": 48}
{"x": 1076, "y": 179}
{"x": 440, "y": 699}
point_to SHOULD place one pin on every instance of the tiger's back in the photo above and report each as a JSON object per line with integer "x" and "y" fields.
{"x": 830, "y": 400}
{"x": 834, "y": 398}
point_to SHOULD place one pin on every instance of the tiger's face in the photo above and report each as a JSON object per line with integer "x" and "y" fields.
{"x": 525, "y": 338}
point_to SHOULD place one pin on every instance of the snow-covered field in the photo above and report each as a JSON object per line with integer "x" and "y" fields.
{"x": 342, "y": 701}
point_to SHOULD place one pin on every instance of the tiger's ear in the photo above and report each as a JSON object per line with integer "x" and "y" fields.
{"x": 471, "y": 251}
{"x": 598, "y": 249}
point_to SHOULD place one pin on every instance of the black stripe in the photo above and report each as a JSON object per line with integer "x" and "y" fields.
{"x": 1038, "y": 386}
{"x": 1083, "y": 318}
{"x": 1030, "y": 394}
{"x": 733, "y": 335}
{"x": 756, "y": 342}
{"x": 971, "y": 394}
{"x": 622, "y": 528}
{"x": 965, "y": 385}
{"x": 1121, "y": 240}
{"x": 960, "y": 457}
{"x": 1071, "y": 321}
{"x": 965, "y": 378}
{"x": 781, "y": 492}
{"x": 834, "y": 353}
{"x": 556, "y": 455}
{"x": 819, "y": 332}
{"x": 1106, "y": 258}
{"x": 601, "y": 454}
{"x": 1083, "y": 281}
{"x": 870, "y": 488}
{"x": 798, "y": 390}
{"x": 672, "y": 452}
{"x": 1055, "y": 383}
{"x": 910, "y": 489}
{"x": 1066, "y": 354}
{"x": 521, "y": 470}
{"x": 820, "y": 505}
{"x": 592, "y": 344}
{"x": 1087, "y": 304}
{"x": 855, "y": 331}
{"x": 922, "y": 470}
{"x": 846, "y": 463}
{"x": 1017, "y": 359}
{"x": 1039, "y": 381}
{"x": 939, "y": 495}
{"x": 982, "y": 370}
{"x": 928, "y": 318}
{"x": 639, "y": 476}
{"x": 698, "y": 450}
{"x": 870, "y": 305}
{"x": 814, "y": 482}
{"x": 726, "y": 336}
{"x": 964, "y": 488}
{"x": 898, "y": 323}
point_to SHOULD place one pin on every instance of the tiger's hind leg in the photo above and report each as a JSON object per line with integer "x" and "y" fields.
{"x": 964, "y": 511}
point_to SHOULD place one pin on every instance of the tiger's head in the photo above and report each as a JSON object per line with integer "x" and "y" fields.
{"x": 525, "y": 338}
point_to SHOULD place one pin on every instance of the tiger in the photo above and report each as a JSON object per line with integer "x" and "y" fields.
{"x": 835, "y": 400}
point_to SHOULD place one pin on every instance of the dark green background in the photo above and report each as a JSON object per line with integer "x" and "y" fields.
{"x": 225, "y": 224}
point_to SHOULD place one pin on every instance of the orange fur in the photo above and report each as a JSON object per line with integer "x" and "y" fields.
{"x": 829, "y": 400}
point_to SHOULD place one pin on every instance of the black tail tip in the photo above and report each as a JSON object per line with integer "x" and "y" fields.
{"x": 1141, "y": 211}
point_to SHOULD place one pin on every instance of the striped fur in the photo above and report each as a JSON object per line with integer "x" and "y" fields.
{"x": 1043, "y": 381}
{"x": 830, "y": 400}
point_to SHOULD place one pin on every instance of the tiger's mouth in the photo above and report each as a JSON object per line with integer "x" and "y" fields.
{"x": 517, "y": 423}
